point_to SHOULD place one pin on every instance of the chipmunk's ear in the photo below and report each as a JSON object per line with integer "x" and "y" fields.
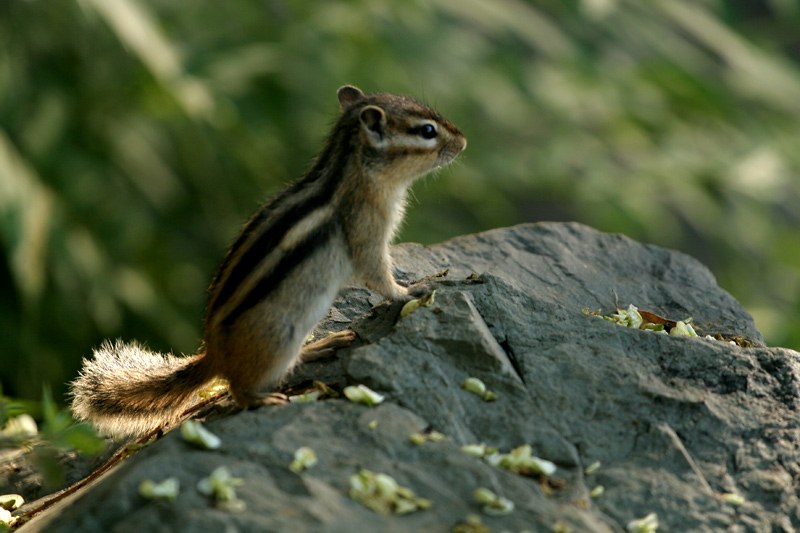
{"x": 373, "y": 120}
{"x": 348, "y": 95}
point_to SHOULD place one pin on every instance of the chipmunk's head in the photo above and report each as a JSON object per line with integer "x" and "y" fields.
{"x": 399, "y": 137}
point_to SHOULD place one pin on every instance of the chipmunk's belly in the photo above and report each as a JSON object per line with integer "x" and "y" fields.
{"x": 307, "y": 293}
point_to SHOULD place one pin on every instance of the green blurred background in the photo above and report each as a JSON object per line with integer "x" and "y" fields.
{"x": 137, "y": 135}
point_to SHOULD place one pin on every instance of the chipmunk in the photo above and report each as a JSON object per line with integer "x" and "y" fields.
{"x": 284, "y": 270}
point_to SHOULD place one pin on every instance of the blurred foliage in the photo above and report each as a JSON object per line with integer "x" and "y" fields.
{"x": 137, "y": 135}
{"x": 43, "y": 444}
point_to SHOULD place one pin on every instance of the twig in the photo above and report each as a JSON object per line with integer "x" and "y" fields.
{"x": 127, "y": 451}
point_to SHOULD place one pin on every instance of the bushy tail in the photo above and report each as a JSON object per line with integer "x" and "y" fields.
{"x": 127, "y": 390}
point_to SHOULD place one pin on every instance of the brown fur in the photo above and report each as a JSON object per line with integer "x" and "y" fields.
{"x": 285, "y": 268}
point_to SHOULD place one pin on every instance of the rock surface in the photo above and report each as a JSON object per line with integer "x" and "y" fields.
{"x": 675, "y": 422}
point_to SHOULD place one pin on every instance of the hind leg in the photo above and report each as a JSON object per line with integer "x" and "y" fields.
{"x": 326, "y": 346}
{"x": 246, "y": 390}
{"x": 246, "y": 383}
{"x": 252, "y": 370}
{"x": 250, "y": 399}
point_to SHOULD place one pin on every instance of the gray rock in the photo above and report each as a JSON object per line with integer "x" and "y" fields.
{"x": 675, "y": 422}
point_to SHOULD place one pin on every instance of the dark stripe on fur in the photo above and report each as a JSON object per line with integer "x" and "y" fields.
{"x": 313, "y": 242}
{"x": 333, "y": 158}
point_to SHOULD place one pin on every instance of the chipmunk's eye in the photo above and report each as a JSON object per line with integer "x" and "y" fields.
{"x": 427, "y": 131}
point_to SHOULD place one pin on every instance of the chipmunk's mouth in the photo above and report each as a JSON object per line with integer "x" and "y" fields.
{"x": 449, "y": 151}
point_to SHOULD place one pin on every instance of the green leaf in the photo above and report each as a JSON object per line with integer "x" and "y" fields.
{"x": 83, "y": 439}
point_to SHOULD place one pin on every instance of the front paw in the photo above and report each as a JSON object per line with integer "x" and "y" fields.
{"x": 402, "y": 295}
{"x": 418, "y": 290}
